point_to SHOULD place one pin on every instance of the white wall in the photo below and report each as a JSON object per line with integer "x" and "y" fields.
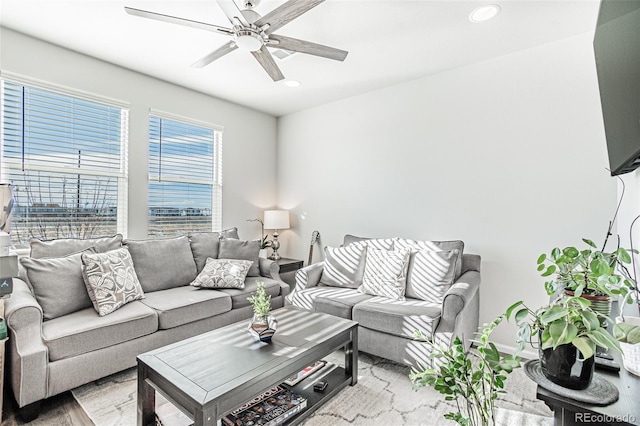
{"x": 507, "y": 155}
{"x": 249, "y": 140}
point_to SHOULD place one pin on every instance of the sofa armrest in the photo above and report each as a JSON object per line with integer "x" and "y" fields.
{"x": 309, "y": 276}
{"x": 460, "y": 310}
{"x": 29, "y": 356}
{"x": 270, "y": 269}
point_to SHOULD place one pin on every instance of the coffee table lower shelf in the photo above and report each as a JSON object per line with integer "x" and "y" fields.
{"x": 335, "y": 376}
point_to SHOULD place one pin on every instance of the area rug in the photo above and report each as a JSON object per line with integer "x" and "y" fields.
{"x": 383, "y": 396}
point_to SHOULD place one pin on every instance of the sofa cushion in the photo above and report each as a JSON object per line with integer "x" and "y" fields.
{"x": 243, "y": 250}
{"x": 431, "y": 274}
{"x": 65, "y": 246}
{"x": 58, "y": 284}
{"x": 385, "y": 273}
{"x": 182, "y": 305}
{"x": 111, "y": 280}
{"x": 398, "y": 317}
{"x": 207, "y": 244}
{"x": 239, "y": 296}
{"x": 85, "y": 331}
{"x": 223, "y": 273}
{"x": 400, "y": 243}
{"x": 330, "y": 300}
{"x": 162, "y": 263}
{"x": 343, "y": 266}
{"x": 379, "y": 243}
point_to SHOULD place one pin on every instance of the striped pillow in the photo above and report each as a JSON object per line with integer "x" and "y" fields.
{"x": 431, "y": 274}
{"x": 400, "y": 243}
{"x": 343, "y": 266}
{"x": 385, "y": 273}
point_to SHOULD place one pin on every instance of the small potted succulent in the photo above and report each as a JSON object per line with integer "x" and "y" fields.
{"x": 263, "y": 325}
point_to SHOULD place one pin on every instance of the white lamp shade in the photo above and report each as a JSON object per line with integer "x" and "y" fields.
{"x": 276, "y": 219}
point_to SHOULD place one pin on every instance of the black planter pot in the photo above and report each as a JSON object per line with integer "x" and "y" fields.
{"x": 566, "y": 367}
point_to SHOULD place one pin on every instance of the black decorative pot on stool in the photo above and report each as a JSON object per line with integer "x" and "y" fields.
{"x": 565, "y": 366}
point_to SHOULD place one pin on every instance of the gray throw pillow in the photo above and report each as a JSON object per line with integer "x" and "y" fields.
{"x": 400, "y": 243}
{"x": 385, "y": 273}
{"x": 65, "y": 246}
{"x": 111, "y": 280}
{"x": 58, "y": 284}
{"x": 243, "y": 250}
{"x": 223, "y": 273}
{"x": 431, "y": 274}
{"x": 343, "y": 266}
{"x": 207, "y": 244}
{"x": 162, "y": 263}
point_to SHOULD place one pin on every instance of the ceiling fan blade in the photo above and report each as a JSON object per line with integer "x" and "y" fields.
{"x": 268, "y": 63}
{"x": 216, "y": 54}
{"x": 230, "y": 8}
{"x": 285, "y": 14}
{"x": 176, "y": 20}
{"x": 302, "y": 46}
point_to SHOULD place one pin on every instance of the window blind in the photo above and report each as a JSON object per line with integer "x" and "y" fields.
{"x": 66, "y": 158}
{"x": 184, "y": 177}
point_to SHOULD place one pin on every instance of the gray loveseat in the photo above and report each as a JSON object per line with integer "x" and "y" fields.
{"x": 440, "y": 295}
{"x": 58, "y": 340}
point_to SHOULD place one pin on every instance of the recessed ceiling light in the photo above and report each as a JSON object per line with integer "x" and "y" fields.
{"x": 292, "y": 83}
{"x": 484, "y": 13}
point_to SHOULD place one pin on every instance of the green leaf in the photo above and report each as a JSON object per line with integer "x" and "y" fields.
{"x": 590, "y": 320}
{"x": 541, "y": 259}
{"x": 571, "y": 252}
{"x": 585, "y": 346}
{"x": 511, "y": 308}
{"x": 590, "y": 243}
{"x": 624, "y": 255}
{"x": 552, "y": 314}
{"x": 603, "y": 339}
{"x": 550, "y": 270}
{"x": 634, "y": 336}
{"x": 521, "y": 315}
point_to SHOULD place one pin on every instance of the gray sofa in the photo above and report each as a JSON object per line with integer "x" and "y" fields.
{"x": 386, "y": 326}
{"x": 58, "y": 341}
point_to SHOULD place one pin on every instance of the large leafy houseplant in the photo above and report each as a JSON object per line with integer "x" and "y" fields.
{"x": 473, "y": 380}
{"x": 588, "y": 271}
{"x": 566, "y": 320}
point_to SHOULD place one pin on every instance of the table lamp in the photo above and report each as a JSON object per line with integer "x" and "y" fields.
{"x": 276, "y": 219}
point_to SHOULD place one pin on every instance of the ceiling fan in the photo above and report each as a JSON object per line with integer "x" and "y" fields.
{"x": 254, "y": 33}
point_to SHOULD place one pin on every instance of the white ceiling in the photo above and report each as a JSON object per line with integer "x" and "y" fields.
{"x": 388, "y": 41}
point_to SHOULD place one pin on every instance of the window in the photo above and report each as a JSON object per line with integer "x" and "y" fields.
{"x": 184, "y": 176}
{"x": 65, "y": 156}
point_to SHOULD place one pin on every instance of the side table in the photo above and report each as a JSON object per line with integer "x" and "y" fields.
{"x": 288, "y": 268}
{"x": 625, "y": 411}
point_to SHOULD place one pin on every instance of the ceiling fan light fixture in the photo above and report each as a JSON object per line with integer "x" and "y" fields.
{"x": 247, "y": 40}
{"x": 484, "y": 13}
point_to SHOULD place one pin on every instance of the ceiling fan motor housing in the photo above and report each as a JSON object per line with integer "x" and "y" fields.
{"x": 248, "y": 38}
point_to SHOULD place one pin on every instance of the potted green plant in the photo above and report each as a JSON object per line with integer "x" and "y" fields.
{"x": 472, "y": 380}
{"x": 568, "y": 332}
{"x": 263, "y": 325}
{"x": 591, "y": 273}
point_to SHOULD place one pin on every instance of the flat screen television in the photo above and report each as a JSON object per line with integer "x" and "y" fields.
{"x": 617, "y": 54}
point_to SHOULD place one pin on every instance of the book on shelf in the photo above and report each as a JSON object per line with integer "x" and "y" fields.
{"x": 270, "y": 408}
{"x": 301, "y": 375}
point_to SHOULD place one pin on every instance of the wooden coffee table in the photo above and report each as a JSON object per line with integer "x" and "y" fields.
{"x": 209, "y": 375}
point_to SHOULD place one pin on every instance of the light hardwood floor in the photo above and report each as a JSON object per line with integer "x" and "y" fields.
{"x": 60, "y": 410}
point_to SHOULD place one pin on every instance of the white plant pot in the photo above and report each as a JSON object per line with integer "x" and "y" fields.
{"x": 630, "y": 353}
{"x": 262, "y": 253}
